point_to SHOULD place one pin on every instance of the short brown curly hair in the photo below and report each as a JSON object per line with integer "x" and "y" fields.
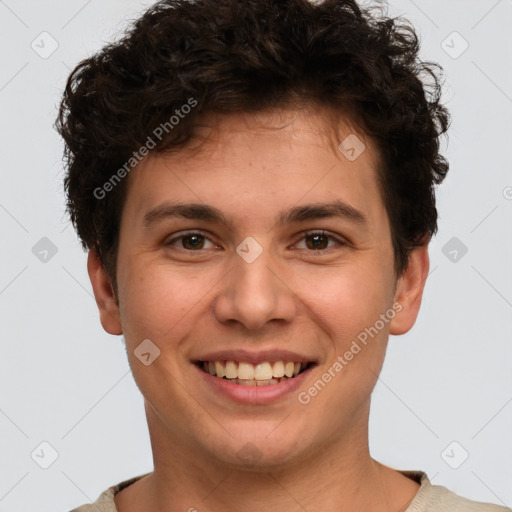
{"x": 232, "y": 56}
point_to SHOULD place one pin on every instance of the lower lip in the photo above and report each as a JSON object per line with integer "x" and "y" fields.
{"x": 254, "y": 394}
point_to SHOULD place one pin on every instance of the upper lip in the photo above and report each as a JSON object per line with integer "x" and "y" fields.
{"x": 261, "y": 356}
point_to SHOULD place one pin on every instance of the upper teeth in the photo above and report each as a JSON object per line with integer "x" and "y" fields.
{"x": 248, "y": 371}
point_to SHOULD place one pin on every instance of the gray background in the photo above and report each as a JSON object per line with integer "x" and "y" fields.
{"x": 66, "y": 382}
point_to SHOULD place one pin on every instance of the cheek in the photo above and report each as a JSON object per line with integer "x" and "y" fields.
{"x": 155, "y": 300}
{"x": 346, "y": 300}
{"x": 158, "y": 304}
{"x": 348, "y": 305}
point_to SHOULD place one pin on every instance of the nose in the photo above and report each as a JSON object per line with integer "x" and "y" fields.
{"x": 255, "y": 294}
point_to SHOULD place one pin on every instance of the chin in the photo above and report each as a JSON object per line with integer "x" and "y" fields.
{"x": 263, "y": 451}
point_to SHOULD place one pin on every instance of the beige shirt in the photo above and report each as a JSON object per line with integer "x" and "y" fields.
{"x": 429, "y": 498}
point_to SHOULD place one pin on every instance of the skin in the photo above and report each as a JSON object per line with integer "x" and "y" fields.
{"x": 189, "y": 301}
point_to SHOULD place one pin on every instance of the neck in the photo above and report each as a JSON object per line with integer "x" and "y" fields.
{"x": 340, "y": 475}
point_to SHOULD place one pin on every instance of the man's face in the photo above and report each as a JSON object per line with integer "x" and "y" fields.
{"x": 260, "y": 288}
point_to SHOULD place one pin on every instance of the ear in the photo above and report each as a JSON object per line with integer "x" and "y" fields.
{"x": 104, "y": 294}
{"x": 409, "y": 290}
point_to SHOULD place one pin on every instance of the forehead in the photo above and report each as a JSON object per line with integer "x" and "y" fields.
{"x": 258, "y": 163}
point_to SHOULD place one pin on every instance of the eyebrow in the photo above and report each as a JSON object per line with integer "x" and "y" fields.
{"x": 297, "y": 214}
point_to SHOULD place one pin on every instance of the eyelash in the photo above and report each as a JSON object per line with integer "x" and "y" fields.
{"x": 339, "y": 241}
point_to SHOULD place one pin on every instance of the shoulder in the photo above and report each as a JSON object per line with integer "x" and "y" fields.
{"x": 105, "y": 501}
{"x": 444, "y": 499}
{"x": 436, "y": 498}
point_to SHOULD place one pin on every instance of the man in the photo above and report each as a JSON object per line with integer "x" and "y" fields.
{"x": 254, "y": 182}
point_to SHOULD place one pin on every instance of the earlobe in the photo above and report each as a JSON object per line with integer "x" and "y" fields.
{"x": 104, "y": 294}
{"x": 409, "y": 290}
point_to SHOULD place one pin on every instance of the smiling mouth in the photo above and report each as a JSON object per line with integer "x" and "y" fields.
{"x": 248, "y": 374}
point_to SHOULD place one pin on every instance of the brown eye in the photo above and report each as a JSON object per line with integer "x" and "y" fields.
{"x": 190, "y": 241}
{"x": 193, "y": 242}
{"x": 319, "y": 241}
